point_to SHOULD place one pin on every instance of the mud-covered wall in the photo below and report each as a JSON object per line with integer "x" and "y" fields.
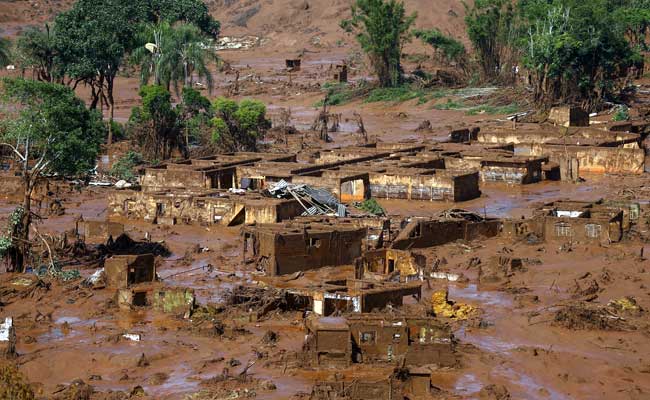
{"x": 100, "y": 231}
{"x": 378, "y": 341}
{"x": 608, "y": 160}
{"x": 584, "y": 230}
{"x": 155, "y": 179}
{"x": 423, "y": 187}
{"x": 286, "y": 252}
{"x": 423, "y": 233}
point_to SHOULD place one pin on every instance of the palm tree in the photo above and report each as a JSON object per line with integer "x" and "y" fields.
{"x": 5, "y": 52}
{"x": 173, "y": 55}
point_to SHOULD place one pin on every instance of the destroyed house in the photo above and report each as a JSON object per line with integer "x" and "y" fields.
{"x": 216, "y": 207}
{"x": 498, "y": 166}
{"x": 448, "y": 227}
{"x": 390, "y": 180}
{"x": 385, "y": 389}
{"x": 413, "y": 341}
{"x": 328, "y": 342}
{"x": 215, "y": 172}
{"x": 353, "y": 155}
{"x": 124, "y": 271}
{"x": 356, "y": 296}
{"x": 572, "y": 221}
{"x": 373, "y": 338}
{"x": 540, "y": 134}
{"x": 390, "y": 264}
{"x": 170, "y": 300}
{"x": 280, "y": 249}
{"x": 594, "y": 150}
{"x": 378, "y": 228}
{"x": 100, "y": 231}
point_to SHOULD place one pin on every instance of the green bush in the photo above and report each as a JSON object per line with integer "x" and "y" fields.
{"x": 622, "y": 114}
{"x": 124, "y": 168}
{"x": 237, "y": 126}
{"x": 372, "y": 207}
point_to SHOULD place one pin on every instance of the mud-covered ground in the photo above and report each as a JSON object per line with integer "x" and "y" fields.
{"x": 67, "y": 331}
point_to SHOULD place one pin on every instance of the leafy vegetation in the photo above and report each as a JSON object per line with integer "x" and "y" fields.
{"x": 5, "y": 51}
{"x": 124, "y": 168}
{"x": 155, "y": 126}
{"x": 89, "y": 43}
{"x": 622, "y": 114}
{"x": 490, "y": 27}
{"x": 371, "y": 206}
{"x": 573, "y": 51}
{"x": 449, "y": 49}
{"x": 50, "y": 131}
{"x": 35, "y": 49}
{"x": 381, "y": 28}
{"x": 237, "y": 126}
{"x": 171, "y": 55}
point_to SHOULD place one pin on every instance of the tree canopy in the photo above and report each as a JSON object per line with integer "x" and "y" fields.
{"x": 51, "y": 126}
{"x": 237, "y": 126}
{"x": 381, "y": 28}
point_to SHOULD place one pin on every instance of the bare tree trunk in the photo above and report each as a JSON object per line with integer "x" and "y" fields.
{"x": 21, "y": 230}
{"x": 111, "y": 108}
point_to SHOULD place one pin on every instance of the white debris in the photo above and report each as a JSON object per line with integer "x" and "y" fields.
{"x": 100, "y": 183}
{"x": 5, "y": 329}
{"x": 122, "y": 184}
{"x": 132, "y": 336}
{"x": 11, "y": 67}
{"x": 237, "y": 43}
{"x": 445, "y": 275}
{"x": 96, "y": 277}
{"x": 237, "y": 191}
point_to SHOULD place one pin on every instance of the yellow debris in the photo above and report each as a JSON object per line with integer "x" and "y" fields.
{"x": 444, "y": 308}
{"x": 627, "y": 304}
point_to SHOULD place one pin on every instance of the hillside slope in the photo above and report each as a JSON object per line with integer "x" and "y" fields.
{"x": 301, "y": 23}
{"x": 286, "y": 24}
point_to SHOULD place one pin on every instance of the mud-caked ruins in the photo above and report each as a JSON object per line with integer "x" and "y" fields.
{"x": 342, "y": 200}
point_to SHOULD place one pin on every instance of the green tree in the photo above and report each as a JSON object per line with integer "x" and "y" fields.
{"x": 195, "y": 112}
{"x": 450, "y": 49}
{"x": 189, "y": 11}
{"x": 576, "y": 52}
{"x": 35, "y": 49}
{"x": 5, "y": 52}
{"x": 49, "y": 132}
{"x": 174, "y": 54}
{"x": 92, "y": 39}
{"x": 155, "y": 126}
{"x": 238, "y": 126}
{"x": 490, "y": 27}
{"x": 381, "y": 28}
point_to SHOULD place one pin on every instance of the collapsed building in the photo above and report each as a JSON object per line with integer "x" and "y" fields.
{"x": 590, "y": 149}
{"x": 370, "y": 338}
{"x": 354, "y": 295}
{"x": 134, "y": 279}
{"x": 599, "y": 222}
{"x": 215, "y": 207}
{"x": 281, "y": 249}
{"x": 390, "y": 264}
{"x": 448, "y": 227}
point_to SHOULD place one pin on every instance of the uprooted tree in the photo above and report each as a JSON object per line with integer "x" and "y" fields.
{"x": 381, "y": 28}
{"x": 238, "y": 126}
{"x": 49, "y": 131}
